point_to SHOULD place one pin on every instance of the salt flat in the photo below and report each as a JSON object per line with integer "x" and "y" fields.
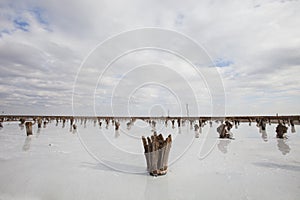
{"x": 94, "y": 163}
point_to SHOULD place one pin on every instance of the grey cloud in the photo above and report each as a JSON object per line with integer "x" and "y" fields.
{"x": 38, "y": 67}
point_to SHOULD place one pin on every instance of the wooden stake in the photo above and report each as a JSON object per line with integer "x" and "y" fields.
{"x": 28, "y": 128}
{"x": 156, "y": 151}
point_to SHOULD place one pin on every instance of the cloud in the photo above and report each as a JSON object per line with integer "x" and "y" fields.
{"x": 253, "y": 44}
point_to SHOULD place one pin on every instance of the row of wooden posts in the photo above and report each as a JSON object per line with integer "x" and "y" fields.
{"x": 156, "y": 148}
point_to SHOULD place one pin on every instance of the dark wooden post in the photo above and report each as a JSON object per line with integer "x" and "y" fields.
{"x": 39, "y": 122}
{"x": 224, "y": 129}
{"x": 281, "y": 130}
{"x": 1, "y": 120}
{"x": 156, "y": 151}
{"x": 117, "y": 125}
{"x": 179, "y": 122}
{"x": 292, "y": 126}
{"x": 28, "y": 126}
{"x": 64, "y": 121}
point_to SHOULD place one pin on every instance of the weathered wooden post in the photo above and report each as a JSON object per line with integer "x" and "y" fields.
{"x": 262, "y": 124}
{"x": 196, "y": 127}
{"x": 64, "y": 122}
{"x": 22, "y": 121}
{"x": 39, "y": 122}
{"x": 71, "y": 121}
{"x": 28, "y": 126}
{"x": 179, "y": 122}
{"x": 107, "y": 123}
{"x": 156, "y": 151}
{"x": 293, "y": 130}
{"x": 117, "y": 125}
{"x": 281, "y": 131}
{"x": 224, "y": 130}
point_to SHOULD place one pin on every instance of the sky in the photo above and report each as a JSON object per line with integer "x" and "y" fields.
{"x": 157, "y": 58}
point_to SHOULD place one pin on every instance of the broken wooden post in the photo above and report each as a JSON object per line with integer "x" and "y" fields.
{"x": 156, "y": 151}
{"x": 196, "y": 127}
{"x": 292, "y": 126}
{"x": 179, "y": 122}
{"x": 281, "y": 130}
{"x": 22, "y": 121}
{"x": 28, "y": 126}
{"x": 262, "y": 124}
{"x": 224, "y": 130}
{"x": 39, "y": 122}
{"x": 173, "y": 123}
{"x": 1, "y": 120}
{"x": 71, "y": 121}
{"x": 64, "y": 121}
{"x": 117, "y": 125}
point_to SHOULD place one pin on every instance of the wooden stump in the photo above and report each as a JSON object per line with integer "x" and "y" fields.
{"x": 28, "y": 128}
{"x": 224, "y": 129}
{"x": 281, "y": 130}
{"x": 117, "y": 126}
{"x": 39, "y": 122}
{"x": 157, "y": 153}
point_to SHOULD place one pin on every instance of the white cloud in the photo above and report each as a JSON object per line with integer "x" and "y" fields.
{"x": 259, "y": 40}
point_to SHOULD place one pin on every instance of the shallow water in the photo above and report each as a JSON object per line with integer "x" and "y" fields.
{"x": 100, "y": 163}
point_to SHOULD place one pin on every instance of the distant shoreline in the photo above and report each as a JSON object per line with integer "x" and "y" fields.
{"x": 242, "y": 118}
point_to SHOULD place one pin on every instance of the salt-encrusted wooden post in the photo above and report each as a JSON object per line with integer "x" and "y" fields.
{"x": 28, "y": 126}
{"x": 281, "y": 130}
{"x": 39, "y": 122}
{"x": 224, "y": 129}
{"x": 156, "y": 151}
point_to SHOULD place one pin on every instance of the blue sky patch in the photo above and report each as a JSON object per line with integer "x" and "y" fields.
{"x": 220, "y": 62}
{"x": 38, "y": 13}
{"x": 21, "y": 24}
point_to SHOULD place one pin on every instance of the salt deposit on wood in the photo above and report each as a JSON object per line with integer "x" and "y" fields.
{"x": 281, "y": 130}
{"x": 224, "y": 130}
{"x": 157, "y": 153}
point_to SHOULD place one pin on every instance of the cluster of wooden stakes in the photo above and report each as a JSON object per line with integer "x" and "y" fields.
{"x": 157, "y": 151}
{"x": 156, "y": 148}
